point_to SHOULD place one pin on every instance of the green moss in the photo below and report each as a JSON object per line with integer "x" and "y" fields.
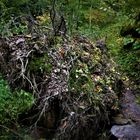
{"x": 42, "y": 64}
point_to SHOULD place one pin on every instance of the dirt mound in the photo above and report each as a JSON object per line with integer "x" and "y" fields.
{"x": 73, "y": 81}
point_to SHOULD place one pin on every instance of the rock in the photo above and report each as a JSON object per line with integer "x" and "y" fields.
{"x": 130, "y": 108}
{"x": 126, "y": 132}
{"x": 20, "y": 40}
{"x": 101, "y": 44}
{"x": 120, "y": 119}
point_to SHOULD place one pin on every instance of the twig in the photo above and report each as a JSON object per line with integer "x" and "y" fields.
{"x": 11, "y": 131}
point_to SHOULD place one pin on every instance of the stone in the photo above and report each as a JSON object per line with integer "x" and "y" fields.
{"x": 126, "y": 132}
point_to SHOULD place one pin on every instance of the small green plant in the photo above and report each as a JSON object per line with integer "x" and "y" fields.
{"x": 136, "y": 45}
{"x": 10, "y": 27}
{"x": 138, "y": 100}
{"x": 128, "y": 40}
{"x": 13, "y": 104}
{"x": 42, "y": 64}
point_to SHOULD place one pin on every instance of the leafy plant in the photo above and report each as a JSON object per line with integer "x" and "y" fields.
{"x": 42, "y": 64}
{"x": 128, "y": 40}
{"x": 13, "y": 104}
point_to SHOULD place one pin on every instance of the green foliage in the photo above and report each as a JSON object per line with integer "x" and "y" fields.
{"x": 128, "y": 40}
{"x": 129, "y": 52}
{"x": 129, "y": 62}
{"x": 10, "y": 27}
{"x": 16, "y": 8}
{"x": 136, "y": 45}
{"x": 11, "y": 12}
{"x": 42, "y": 64}
{"x": 80, "y": 77}
{"x": 13, "y": 104}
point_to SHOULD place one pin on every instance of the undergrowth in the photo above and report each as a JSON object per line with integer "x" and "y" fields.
{"x": 12, "y": 104}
